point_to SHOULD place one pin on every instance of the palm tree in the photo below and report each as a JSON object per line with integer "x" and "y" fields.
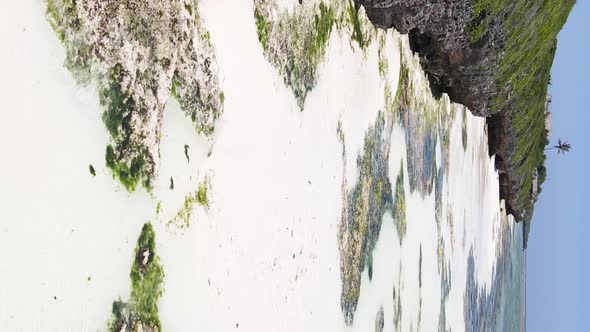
{"x": 562, "y": 147}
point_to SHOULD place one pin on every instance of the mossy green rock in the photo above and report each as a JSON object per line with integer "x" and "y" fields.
{"x": 140, "y": 312}
{"x": 139, "y": 53}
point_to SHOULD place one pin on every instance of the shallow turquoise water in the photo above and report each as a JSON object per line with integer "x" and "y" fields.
{"x": 502, "y": 307}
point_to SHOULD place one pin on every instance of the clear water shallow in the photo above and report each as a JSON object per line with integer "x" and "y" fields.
{"x": 276, "y": 194}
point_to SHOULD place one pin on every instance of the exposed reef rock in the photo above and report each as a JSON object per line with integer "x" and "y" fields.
{"x": 138, "y": 53}
{"x": 362, "y": 211}
{"x": 380, "y": 320}
{"x": 295, "y": 41}
{"x": 295, "y": 55}
{"x": 140, "y": 312}
{"x": 493, "y": 56}
{"x": 427, "y": 122}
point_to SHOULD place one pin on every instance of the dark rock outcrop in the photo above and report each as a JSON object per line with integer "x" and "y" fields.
{"x": 465, "y": 70}
{"x": 437, "y": 31}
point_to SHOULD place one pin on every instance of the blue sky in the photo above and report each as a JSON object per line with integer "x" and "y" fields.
{"x": 558, "y": 255}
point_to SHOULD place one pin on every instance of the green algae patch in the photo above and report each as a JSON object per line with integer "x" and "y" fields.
{"x": 182, "y": 218}
{"x": 129, "y": 174}
{"x": 359, "y": 33}
{"x": 126, "y": 161}
{"x": 138, "y": 54}
{"x": 295, "y": 43}
{"x": 140, "y": 312}
{"x": 159, "y": 208}
{"x": 202, "y": 198}
{"x": 62, "y": 17}
{"x": 91, "y": 170}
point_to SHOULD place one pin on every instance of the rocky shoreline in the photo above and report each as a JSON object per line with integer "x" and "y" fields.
{"x": 477, "y": 51}
{"x": 456, "y": 66}
{"x": 466, "y": 48}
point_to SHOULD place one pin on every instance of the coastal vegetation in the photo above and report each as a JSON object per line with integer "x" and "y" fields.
{"x": 562, "y": 147}
{"x": 523, "y": 76}
{"x": 526, "y": 66}
{"x": 140, "y": 312}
